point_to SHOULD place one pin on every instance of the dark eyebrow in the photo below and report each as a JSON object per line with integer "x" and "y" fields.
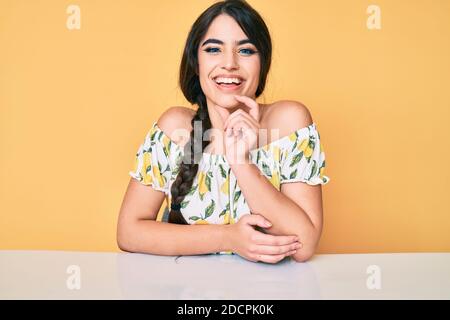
{"x": 217, "y": 41}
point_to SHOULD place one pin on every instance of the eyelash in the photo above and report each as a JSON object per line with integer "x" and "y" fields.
{"x": 250, "y": 51}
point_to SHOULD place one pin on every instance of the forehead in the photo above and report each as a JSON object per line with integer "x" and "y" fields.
{"x": 225, "y": 28}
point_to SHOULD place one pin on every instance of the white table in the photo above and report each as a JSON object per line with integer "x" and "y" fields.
{"x": 44, "y": 275}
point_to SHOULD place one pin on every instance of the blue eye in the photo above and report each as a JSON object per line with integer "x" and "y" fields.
{"x": 244, "y": 51}
{"x": 212, "y": 50}
{"x": 247, "y": 52}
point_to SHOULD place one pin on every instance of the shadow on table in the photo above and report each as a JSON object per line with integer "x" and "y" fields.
{"x": 143, "y": 276}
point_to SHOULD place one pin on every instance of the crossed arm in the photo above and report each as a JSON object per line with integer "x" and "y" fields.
{"x": 295, "y": 210}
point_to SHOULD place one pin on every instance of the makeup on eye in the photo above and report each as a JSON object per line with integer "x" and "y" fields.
{"x": 248, "y": 51}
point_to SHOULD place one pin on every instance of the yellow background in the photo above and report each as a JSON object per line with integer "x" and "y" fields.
{"x": 76, "y": 104}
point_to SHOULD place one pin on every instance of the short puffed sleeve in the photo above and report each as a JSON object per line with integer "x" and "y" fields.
{"x": 303, "y": 157}
{"x": 154, "y": 159}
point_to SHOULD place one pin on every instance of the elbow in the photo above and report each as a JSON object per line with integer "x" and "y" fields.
{"x": 125, "y": 246}
{"x": 122, "y": 240}
{"x": 306, "y": 252}
{"x": 309, "y": 246}
{"x": 122, "y": 245}
{"x": 302, "y": 256}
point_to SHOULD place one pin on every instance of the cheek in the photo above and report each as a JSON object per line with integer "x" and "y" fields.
{"x": 253, "y": 69}
{"x": 205, "y": 68}
{"x": 256, "y": 67}
{"x": 206, "y": 62}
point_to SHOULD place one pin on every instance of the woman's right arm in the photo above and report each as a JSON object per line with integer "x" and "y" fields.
{"x": 138, "y": 231}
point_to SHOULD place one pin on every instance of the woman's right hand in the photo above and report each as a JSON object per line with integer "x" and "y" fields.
{"x": 256, "y": 246}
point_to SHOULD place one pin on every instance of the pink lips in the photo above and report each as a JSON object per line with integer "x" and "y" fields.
{"x": 228, "y": 87}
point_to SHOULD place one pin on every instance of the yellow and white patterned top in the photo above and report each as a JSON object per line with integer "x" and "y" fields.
{"x": 215, "y": 196}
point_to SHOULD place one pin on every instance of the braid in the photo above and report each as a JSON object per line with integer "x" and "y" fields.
{"x": 189, "y": 166}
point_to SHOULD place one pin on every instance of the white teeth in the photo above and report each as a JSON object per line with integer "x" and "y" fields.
{"x": 228, "y": 80}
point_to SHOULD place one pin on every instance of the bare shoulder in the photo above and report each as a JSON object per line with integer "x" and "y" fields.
{"x": 175, "y": 122}
{"x": 286, "y": 116}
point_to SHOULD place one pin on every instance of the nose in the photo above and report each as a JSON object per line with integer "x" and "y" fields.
{"x": 230, "y": 61}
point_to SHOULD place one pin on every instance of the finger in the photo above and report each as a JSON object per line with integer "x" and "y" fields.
{"x": 270, "y": 258}
{"x": 245, "y": 129}
{"x": 249, "y": 102}
{"x": 268, "y": 239}
{"x": 239, "y": 113}
{"x": 252, "y": 104}
{"x": 236, "y": 132}
{"x": 238, "y": 123}
{"x": 274, "y": 250}
{"x": 241, "y": 127}
{"x": 240, "y": 118}
{"x": 256, "y": 219}
{"x": 231, "y": 116}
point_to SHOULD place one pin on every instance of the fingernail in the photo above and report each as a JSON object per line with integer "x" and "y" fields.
{"x": 268, "y": 224}
{"x": 294, "y": 251}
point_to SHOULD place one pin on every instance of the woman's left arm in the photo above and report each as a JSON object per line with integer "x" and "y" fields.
{"x": 301, "y": 217}
{"x": 294, "y": 210}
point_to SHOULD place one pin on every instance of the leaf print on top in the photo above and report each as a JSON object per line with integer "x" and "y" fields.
{"x": 223, "y": 173}
{"x": 302, "y": 158}
{"x": 314, "y": 169}
{"x": 296, "y": 159}
{"x": 236, "y": 198}
{"x": 208, "y": 212}
{"x": 266, "y": 169}
{"x": 210, "y": 209}
{"x": 226, "y": 214}
{"x": 214, "y": 197}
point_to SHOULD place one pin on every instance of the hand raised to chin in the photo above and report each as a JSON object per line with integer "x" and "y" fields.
{"x": 241, "y": 130}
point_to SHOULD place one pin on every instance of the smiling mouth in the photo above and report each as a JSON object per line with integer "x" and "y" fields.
{"x": 230, "y": 83}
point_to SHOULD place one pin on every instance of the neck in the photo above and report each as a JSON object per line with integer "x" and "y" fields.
{"x": 218, "y": 115}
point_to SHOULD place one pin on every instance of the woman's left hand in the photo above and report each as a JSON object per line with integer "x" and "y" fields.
{"x": 241, "y": 131}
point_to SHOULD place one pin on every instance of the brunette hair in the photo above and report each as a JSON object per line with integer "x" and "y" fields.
{"x": 256, "y": 30}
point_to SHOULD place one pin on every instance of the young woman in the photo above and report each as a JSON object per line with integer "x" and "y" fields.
{"x": 232, "y": 188}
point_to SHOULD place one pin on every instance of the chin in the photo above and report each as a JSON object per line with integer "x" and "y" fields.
{"x": 226, "y": 101}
